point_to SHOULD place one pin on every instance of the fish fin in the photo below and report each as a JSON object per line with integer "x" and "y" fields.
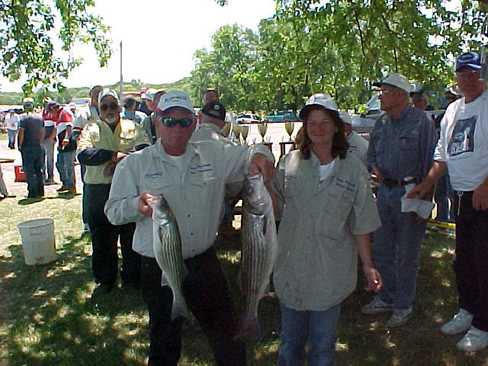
{"x": 179, "y": 308}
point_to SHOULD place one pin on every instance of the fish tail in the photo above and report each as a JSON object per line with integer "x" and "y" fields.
{"x": 179, "y": 308}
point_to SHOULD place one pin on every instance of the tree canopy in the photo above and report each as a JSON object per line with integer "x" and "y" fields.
{"x": 27, "y": 32}
{"x": 337, "y": 46}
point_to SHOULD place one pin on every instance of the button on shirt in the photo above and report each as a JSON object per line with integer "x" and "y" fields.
{"x": 193, "y": 187}
{"x": 316, "y": 267}
{"x": 404, "y": 147}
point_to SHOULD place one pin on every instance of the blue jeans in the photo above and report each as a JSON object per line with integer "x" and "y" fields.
{"x": 48, "y": 146}
{"x": 64, "y": 164}
{"x": 32, "y": 161}
{"x": 318, "y": 328}
{"x": 11, "y": 138}
{"x": 396, "y": 248}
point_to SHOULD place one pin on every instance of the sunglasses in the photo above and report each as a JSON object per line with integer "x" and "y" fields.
{"x": 171, "y": 122}
{"x": 111, "y": 106}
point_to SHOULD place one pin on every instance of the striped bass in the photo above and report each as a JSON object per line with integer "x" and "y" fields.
{"x": 168, "y": 253}
{"x": 259, "y": 250}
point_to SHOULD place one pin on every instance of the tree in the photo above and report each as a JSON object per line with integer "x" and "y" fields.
{"x": 340, "y": 47}
{"x": 27, "y": 32}
{"x": 229, "y": 67}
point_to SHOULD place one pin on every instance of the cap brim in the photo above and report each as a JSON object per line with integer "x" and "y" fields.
{"x": 469, "y": 66}
{"x": 174, "y": 105}
{"x": 304, "y": 111}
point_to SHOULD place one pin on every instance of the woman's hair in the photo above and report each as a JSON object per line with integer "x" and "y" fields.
{"x": 339, "y": 141}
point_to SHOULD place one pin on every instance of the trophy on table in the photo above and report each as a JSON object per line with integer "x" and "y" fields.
{"x": 289, "y": 127}
{"x": 226, "y": 129}
{"x": 237, "y": 133}
{"x": 262, "y": 128}
{"x": 244, "y": 133}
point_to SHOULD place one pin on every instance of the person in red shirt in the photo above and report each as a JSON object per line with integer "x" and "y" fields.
{"x": 66, "y": 149}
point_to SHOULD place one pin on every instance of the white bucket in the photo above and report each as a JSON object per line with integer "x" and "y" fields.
{"x": 38, "y": 241}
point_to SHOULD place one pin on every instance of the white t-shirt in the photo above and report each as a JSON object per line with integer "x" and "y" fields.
{"x": 463, "y": 143}
{"x": 325, "y": 170}
{"x": 12, "y": 121}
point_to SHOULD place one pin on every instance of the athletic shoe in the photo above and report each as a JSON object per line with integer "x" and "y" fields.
{"x": 399, "y": 317}
{"x": 474, "y": 340}
{"x": 376, "y": 306}
{"x": 459, "y": 323}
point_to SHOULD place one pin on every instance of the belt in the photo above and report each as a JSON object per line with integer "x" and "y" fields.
{"x": 393, "y": 183}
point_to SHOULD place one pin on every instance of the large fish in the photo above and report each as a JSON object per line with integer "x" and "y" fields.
{"x": 168, "y": 253}
{"x": 259, "y": 250}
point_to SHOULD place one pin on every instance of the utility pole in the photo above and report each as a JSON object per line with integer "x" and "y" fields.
{"x": 121, "y": 85}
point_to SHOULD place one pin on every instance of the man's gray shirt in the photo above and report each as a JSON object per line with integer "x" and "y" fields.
{"x": 404, "y": 147}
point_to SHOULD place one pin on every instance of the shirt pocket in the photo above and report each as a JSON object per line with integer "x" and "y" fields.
{"x": 154, "y": 182}
{"x": 409, "y": 149}
{"x": 331, "y": 226}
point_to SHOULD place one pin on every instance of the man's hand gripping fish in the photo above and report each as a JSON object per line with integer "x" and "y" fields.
{"x": 259, "y": 250}
{"x": 168, "y": 253}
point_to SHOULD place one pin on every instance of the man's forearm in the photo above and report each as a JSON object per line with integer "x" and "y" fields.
{"x": 436, "y": 172}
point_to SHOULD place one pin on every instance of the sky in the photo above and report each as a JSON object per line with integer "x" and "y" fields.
{"x": 159, "y": 38}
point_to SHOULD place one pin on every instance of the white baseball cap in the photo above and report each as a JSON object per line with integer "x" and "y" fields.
{"x": 396, "y": 80}
{"x": 175, "y": 98}
{"x": 321, "y": 99}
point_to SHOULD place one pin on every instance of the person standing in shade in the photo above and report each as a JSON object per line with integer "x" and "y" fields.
{"x": 191, "y": 177}
{"x": 399, "y": 154}
{"x": 463, "y": 149}
{"x": 103, "y": 144}
{"x": 328, "y": 212}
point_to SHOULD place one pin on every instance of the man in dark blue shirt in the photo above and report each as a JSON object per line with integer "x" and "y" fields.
{"x": 31, "y": 134}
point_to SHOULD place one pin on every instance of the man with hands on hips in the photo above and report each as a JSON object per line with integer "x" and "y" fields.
{"x": 192, "y": 177}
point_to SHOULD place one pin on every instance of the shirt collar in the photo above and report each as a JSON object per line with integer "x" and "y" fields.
{"x": 191, "y": 151}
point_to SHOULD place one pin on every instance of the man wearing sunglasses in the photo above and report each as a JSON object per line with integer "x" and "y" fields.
{"x": 192, "y": 177}
{"x": 103, "y": 143}
{"x": 463, "y": 149}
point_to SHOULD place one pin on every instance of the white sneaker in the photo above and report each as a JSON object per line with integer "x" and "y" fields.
{"x": 459, "y": 323}
{"x": 399, "y": 317}
{"x": 474, "y": 340}
{"x": 376, "y": 306}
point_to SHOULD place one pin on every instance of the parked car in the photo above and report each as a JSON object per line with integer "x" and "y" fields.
{"x": 248, "y": 118}
{"x": 282, "y": 116}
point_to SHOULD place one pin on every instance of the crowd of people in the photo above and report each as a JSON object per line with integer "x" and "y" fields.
{"x": 322, "y": 196}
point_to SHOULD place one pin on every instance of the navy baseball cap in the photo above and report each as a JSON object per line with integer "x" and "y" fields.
{"x": 470, "y": 60}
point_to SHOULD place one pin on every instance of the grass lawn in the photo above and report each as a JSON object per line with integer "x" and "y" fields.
{"x": 48, "y": 317}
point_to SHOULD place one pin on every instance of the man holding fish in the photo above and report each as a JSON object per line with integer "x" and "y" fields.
{"x": 184, "y": 184}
